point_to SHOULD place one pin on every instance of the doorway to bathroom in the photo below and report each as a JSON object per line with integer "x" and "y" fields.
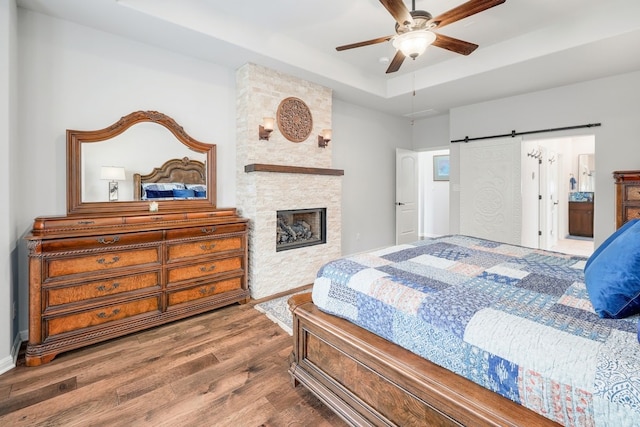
{"x": 558, "y": 182}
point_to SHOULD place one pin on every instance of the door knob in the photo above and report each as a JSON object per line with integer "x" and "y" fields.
{"x": 399, "y": 204}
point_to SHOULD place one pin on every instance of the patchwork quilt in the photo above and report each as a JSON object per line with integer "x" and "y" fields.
{"x": 515, "y": 320}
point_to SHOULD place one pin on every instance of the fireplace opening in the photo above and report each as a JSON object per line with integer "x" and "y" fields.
{"x": 301, "y": 227}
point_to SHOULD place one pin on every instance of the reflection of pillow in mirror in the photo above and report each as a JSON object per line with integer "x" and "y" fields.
{"x": 160, "y": 186}
{"x": 196, "y": 187}
{"x": 183, "y": 193}
{"x": 201, "y": 193}
{"x": 158, "y": 194}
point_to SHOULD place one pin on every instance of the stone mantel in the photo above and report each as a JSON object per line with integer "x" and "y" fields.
{"x": 259, "y": 167}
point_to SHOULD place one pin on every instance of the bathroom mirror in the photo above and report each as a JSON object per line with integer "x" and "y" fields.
{"x": 139, "y": 143}
{"x": 586, "y": 172}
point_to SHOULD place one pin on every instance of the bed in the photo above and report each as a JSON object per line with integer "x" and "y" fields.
{"x": 459, "y": 330}
{"x": 176, "y": 179}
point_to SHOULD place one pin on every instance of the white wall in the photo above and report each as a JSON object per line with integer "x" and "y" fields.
{"x": 364, "y": 143}
{"x": 8, "y": 237}
{"x": 611, "y": 101}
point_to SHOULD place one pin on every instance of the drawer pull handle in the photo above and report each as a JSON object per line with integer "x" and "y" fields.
{"x": 105, "y": 262}
{"x": 208, "y": 247}
{"x": 86, "y": 222}
{"x": 108, "y": 242}
{"x": 204, "y": 290}
{"x": 210, "y": 268}
{"x": 103, "y": 288}
{"x": 104, "y": 315}
{"x": 206, "y": 230}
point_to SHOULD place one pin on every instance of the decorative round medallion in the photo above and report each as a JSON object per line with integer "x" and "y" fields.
{"x": 294, "y": 119}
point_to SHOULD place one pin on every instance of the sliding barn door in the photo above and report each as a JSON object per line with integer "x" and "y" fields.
{"x": 490, "y": 199}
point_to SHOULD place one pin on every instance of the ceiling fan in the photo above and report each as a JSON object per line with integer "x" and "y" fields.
{"x": 414, "y": 30}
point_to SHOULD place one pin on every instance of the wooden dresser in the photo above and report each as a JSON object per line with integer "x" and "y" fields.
{"x": 627, "y": 196}
{"x": 120, "y": 262}
{"x": 96, "y": 278}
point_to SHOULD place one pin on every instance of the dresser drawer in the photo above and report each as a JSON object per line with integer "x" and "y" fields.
{"x": 99, "y": 316}
{"x": 101, "y": 241}
{"x": 632, "y": 193}
{"x": 103, "y": 261}
{"x": 203, "y": 269}
{"x": 204, "y": 291}
{"x": 205, "y": 230}
{"x": 90, "y": 290}
{"x": 204, "y": 247}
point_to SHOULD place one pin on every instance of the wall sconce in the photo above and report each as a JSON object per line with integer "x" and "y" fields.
{"x": 113, "y": 174}
{"x": 265, "y": 129}
{"x": 324, "y": 138}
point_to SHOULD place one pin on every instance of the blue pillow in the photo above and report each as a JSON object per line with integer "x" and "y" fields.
{"x": 183, "y": 194}
{"x": 610, "y": 239}
{"x": 613, "y": 277}
{"x": 201, "y": 193}
{"x": 157, "y": 194}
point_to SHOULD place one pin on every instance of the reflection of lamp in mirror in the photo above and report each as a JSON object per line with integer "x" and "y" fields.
{"x": 113, "y": 174}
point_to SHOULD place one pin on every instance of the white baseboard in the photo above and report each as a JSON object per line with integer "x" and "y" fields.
{"x": 7, "y": 364}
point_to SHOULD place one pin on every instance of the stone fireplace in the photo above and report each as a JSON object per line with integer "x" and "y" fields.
{"x": 280, "y": 175}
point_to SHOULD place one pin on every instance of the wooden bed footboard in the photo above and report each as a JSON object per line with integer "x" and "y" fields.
{"x": 368, "y": 380}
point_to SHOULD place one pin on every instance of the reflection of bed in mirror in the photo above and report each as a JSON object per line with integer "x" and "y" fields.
{"x": 181, "y": 178}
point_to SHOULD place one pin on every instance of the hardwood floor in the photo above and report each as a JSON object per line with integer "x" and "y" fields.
{"x": 223, "y": 368}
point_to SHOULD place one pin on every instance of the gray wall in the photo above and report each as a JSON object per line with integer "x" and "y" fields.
{"x": 364, "y": 143}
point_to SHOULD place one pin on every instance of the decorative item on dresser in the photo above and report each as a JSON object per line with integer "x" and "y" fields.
{"x": 627, "y": 196}
{"x": 107, "y": 269}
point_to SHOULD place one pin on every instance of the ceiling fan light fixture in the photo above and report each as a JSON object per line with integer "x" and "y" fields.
{"x": 414, "y": 43}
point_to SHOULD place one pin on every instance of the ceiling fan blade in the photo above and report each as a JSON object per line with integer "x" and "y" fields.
{"x": 365, "y": 43}
{"x": 464, "y": 10}
{"x": 399, "y": 11}
{"x": 454, "y": 45}
{"x": 396, "y": 62}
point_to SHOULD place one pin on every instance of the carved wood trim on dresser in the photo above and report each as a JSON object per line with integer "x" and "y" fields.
{"x": 93, "y": 278}
{"x": 627, "y": 196}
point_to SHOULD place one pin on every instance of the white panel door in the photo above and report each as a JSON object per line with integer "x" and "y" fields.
{"x": 407, "y": 186}
{"x": 490, "y": 198}
{"x": 549, "y": 203}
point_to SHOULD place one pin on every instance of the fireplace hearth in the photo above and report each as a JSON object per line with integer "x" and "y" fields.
{"x": 300, "y": 228}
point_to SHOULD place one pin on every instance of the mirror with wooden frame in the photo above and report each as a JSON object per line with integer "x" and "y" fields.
{"x": 110, "y": 170}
